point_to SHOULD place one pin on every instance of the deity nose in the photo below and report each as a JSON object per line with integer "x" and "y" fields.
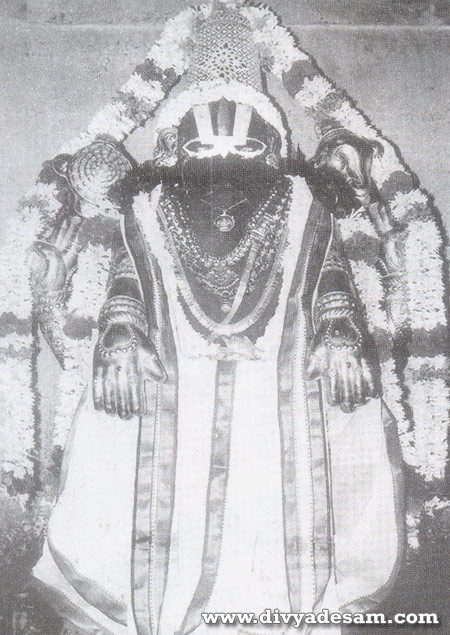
{"x": 356, "y": 169}
{"x": 356, "y": 177}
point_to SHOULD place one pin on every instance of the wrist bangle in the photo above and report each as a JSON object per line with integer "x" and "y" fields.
{"x": 124, "y": 310}
{"x": 336, "y": 304}
{"x": 334, "y": 262}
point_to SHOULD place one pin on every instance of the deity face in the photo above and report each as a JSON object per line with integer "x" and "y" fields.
{"x": 349, "y": 156}
{"x": 355, "y": 168}
{"x": 221, "y": 162}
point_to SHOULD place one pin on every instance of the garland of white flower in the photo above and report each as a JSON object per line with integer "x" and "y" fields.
{"x": 16, "y": 349}
{"x": 17, "y": 429}
{"x": 370, "y": 287}
{"x": 425, "y": 447}
{"x": 139, "y": 97}
{"x": 137, "y": 101}
{"x": 431, "y": 508}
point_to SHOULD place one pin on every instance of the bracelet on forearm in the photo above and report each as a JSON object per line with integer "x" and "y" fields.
{"x": 125, "y": 270}
{"x": 335, "y": 263}
{"x": 336, "y": 304}
{"x": 124, "y": 310}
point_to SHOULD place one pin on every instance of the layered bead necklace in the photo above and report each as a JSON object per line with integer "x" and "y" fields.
{"x": 221, "y": 275}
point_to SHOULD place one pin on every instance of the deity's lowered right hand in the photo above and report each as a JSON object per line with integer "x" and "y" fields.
{"x": 124, "y": 359}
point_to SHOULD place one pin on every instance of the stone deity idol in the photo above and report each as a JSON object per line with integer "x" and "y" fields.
{"x": 240, "y": 415}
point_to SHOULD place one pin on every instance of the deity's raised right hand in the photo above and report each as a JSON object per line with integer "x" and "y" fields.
{"x": 124, "y": 359}
{"x": 52, "y": 258}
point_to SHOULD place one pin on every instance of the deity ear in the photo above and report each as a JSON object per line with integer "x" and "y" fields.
{"x": 166, "y": 148}
{"x": 273, "y": 157}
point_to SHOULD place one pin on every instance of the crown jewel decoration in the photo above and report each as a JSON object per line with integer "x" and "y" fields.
{"x": 225, "y": 51}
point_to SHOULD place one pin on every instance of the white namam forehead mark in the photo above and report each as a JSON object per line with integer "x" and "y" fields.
{"x": 174, "y": 111}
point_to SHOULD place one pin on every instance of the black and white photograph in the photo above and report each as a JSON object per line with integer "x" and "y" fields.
{"x": 224, "y": 303}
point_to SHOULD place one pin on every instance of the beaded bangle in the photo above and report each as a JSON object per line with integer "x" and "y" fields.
{"x": 124, "y": 310}
{"x": 336, "y": 304}
{"x": 335, "y": 263}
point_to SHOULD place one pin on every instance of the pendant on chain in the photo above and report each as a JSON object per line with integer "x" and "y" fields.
{"x": 224, "y": 222}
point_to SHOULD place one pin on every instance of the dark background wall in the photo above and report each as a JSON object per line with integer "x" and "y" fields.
{"x": 63, "y": 59}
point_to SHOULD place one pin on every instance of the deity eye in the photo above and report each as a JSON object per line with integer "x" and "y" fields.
{"x": 252, "y": 147}
{"x": 195, "y": 148}
{"x": 338, "y": 158}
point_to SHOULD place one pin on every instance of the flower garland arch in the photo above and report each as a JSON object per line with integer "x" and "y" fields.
{"x": 421, "y": 410}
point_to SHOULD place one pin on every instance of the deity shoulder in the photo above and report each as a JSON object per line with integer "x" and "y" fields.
{"x": 83, "y": 181}
{"x": 141, "y": 178}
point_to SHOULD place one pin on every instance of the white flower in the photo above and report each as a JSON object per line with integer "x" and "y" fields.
{"x": 429, "y": 403}
{"x": 354, "y": 224}
{"x": 17, "y": 426}
{"x": 383, "y": 166}
{"x": 274, "y": 37}
{"x": 112, "y": 120}
{"x": 435, "y": 504}
{"x": 77, "y": 143}
{"x": 171, "y": 51}
{"x": 353, "y": 120}
{"x": 150, "y": 92}
{"x": 370, "y": 288}
{"x": 438, "y": 362}
{"x": 412, "y": 524}
{"x": 15, "y": 292}
{"x": 42, "y": 195}
{"x": 15, "y": 342}
{"x": 404, "y": 202}
{"x": 423, "y": 266}
{"x": 313, "y": 91}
